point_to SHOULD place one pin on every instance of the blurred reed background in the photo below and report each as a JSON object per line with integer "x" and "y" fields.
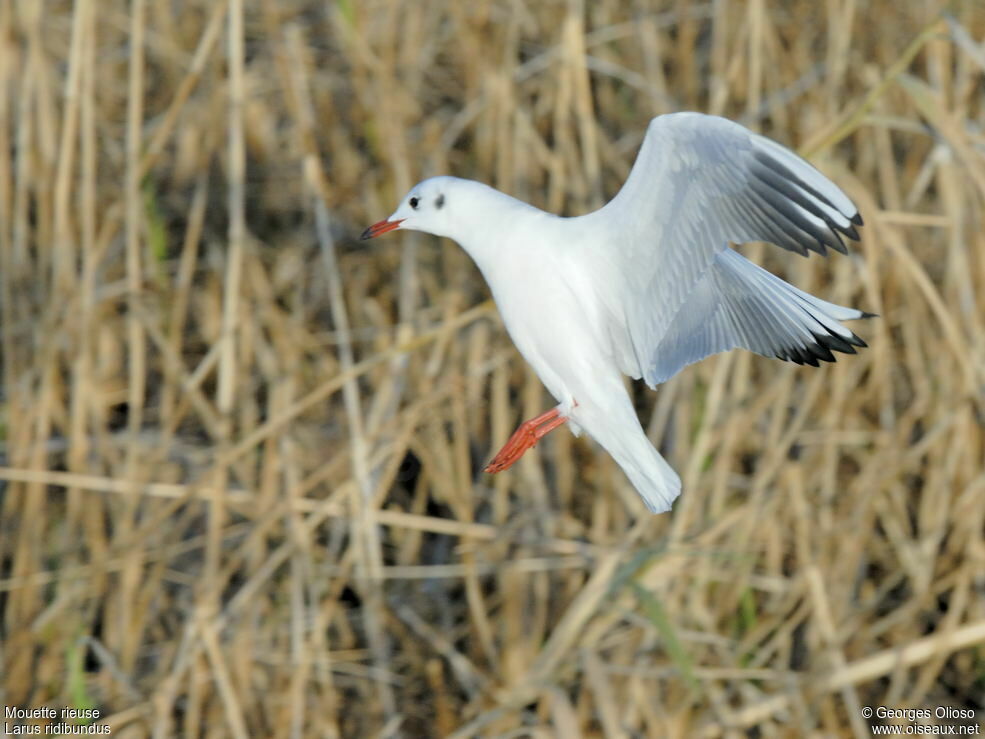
{"x": 241, "y": 489}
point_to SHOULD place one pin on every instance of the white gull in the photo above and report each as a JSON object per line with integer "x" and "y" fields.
{"x": 648, "y": 284}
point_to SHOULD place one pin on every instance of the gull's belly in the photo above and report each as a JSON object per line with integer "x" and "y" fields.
{"x": 558, "y": 333}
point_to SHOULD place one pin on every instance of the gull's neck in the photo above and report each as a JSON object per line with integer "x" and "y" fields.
{"x": 495, "y": 227}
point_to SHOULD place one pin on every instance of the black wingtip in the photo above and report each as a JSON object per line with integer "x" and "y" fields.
{"x": 822, "y": 352}
{"x": 834, "y": 343}
{"x": 821, "y": 348}
{"x": 799, "y": 355}
{"x": 853, "y": 339}
{"x": 866, "y": 314}
{"x": 857, "y": 219}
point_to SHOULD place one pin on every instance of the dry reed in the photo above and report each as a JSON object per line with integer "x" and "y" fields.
{"x": 241, "y": 451}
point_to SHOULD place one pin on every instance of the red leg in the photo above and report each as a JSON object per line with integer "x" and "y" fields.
{"x": 525, "y": 437}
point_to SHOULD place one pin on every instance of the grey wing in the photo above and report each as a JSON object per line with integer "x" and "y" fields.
{"x": 740, "y": 305}
{"x": 698, "y": 183}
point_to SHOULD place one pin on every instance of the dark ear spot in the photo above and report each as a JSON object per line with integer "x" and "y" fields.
{"x": 440, "y": 202}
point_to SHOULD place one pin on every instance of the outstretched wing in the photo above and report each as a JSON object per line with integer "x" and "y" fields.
{"x": 698, "y": 183}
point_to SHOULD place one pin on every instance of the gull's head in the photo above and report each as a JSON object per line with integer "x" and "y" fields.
{"x": 428, "y": 207}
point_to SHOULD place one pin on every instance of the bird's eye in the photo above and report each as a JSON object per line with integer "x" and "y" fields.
{"x": 414, "y": 202}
